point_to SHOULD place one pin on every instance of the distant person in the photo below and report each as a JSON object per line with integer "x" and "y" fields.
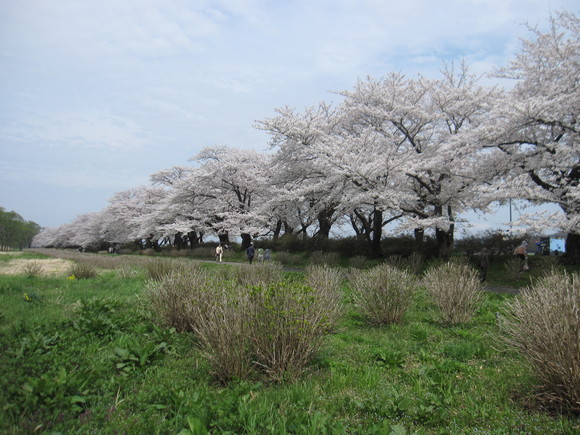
{"x": 267, "y": 254}
{"x": 260, "y": 255}
{"x": 250, "y": 253}
{"x": 218, "y": 253}
{"x": 521, "y": 252}
{"x": 483, "y": 264}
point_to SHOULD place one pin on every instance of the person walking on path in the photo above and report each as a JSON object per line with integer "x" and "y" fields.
{"x": 218, "y": 253}
{"x": 250, "y": 253}
{"x": 267, "y": 254}
{"x": 521, "y": 252}
{"x": 260, "y": 255}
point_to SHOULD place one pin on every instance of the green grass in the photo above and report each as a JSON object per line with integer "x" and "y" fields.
{"x": 87, "y": 356}
{"x": 7, "y": 256}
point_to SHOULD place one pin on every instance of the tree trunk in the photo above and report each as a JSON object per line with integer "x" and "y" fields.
{"x": 573, "y": 248}
{"x": 277, "y": 230}
{"x": 444, "y": 238}
{"x": 324, "y": 223}
{"x": 178, "y": 241}
{"x": 287, "y": 228}
{"x": 419, "y": 237}
{"x": 225, "y": 238}
{"x": 376, "y": 249}
{"x": 193, "y": 239}
{"x": 246, "y": 240}
{"x": 444, "y": 242}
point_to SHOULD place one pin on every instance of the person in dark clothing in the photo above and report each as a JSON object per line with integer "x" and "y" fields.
{"x": 250, "y": 253}
{"x": 483, "y": 264}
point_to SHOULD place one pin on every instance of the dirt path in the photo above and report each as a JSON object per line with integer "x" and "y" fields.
{"x": 50, "y": 266}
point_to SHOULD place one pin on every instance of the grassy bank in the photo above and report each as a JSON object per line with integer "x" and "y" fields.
{"x": 88, "y": 355}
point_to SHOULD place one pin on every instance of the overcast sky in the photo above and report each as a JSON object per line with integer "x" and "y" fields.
{"x": 96, "y": 95}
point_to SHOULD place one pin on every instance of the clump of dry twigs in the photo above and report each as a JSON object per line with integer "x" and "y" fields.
{"x": 543, "y": 323}
{"x": 383, "y": 293}
{"x": 246, "y": 326}
{"x": 456, "y": 289}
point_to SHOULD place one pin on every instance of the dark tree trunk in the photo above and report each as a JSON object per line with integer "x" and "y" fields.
{"x": 193, "y": 239}
{"x": 287, "y": 228}
{"x": 573, "y": 248}
{"x": 151, "y": 244}
{"x": 357, "y": 230}
{"x": 419, "y": 237}
{"x": 324, "y": 223}
{"x": 376, "y": 249}
{"x": 277, "y": 230}
{"x": 246, "y": 240}
{"x": 178, "y": 241}
{"x": 444, "y": 242}
{"x": 225, "y": 238}
{"x": 444, "y": 238}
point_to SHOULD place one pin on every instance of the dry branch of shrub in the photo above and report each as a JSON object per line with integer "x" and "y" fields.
{"x": 288, "y": 323}
{"x": 543, "y": 323}
{"x": 176, "y": 297}
{"x": 223, "y": 326}
{"x": 273, "y": 328}
{"x": 383, "y": 293}
{"x": 327, "y": 282}
{"x": 257, "y": 274}
{"x": 456, "y": 289}
{"x": 82, "y": 270}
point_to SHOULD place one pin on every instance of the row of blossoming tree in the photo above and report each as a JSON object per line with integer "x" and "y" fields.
{"x": 415, "y": 151}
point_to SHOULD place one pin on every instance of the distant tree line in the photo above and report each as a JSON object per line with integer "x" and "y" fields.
{"x": 15, "y": 231}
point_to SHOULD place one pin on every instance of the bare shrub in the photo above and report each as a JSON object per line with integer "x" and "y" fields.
{"x": 157, "y": 268}
{"x": 289, "y": 321}
{"x": 288, "y": 259}
{"x": 172, "y": 296}
{"x": 32, "y": 269}
{"x": 321, "y": 257}
{"x": 223, "y": 323}
{"x": 395, "y": 261}
{"x": 125, "y": 271}
{"x": 455, "y": 288}
{"x": 413, "y": 263}
{"x": 82, "y": 270}
{"x": 383, "y": 293}
{"x": 257, "y": 274}
{"x": 272, "y": 328}
{"x": 513, "y": 268}
{"x": 550, "y": 264}
{"x": 358, "y": 262}
{"x": 327, "y": 282}
{"x": 543, "y": 323}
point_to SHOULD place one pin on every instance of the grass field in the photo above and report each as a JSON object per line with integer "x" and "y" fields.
{"x": 89, "y": 356}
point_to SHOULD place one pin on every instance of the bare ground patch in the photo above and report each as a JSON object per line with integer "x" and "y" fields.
{"x": 52, "y": 266}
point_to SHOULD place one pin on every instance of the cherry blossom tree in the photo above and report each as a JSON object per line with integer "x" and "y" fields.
{"x": 535, "y": 128}
{"x": 181, "y": 209}
{"x": 138, "y": 209}
{"x": 306, "y": 187}
{"x": 417, "y": 121}
{"x": 229, "y": 184}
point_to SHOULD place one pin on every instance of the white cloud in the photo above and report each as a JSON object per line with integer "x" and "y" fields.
{"x": 74, "y": 131}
